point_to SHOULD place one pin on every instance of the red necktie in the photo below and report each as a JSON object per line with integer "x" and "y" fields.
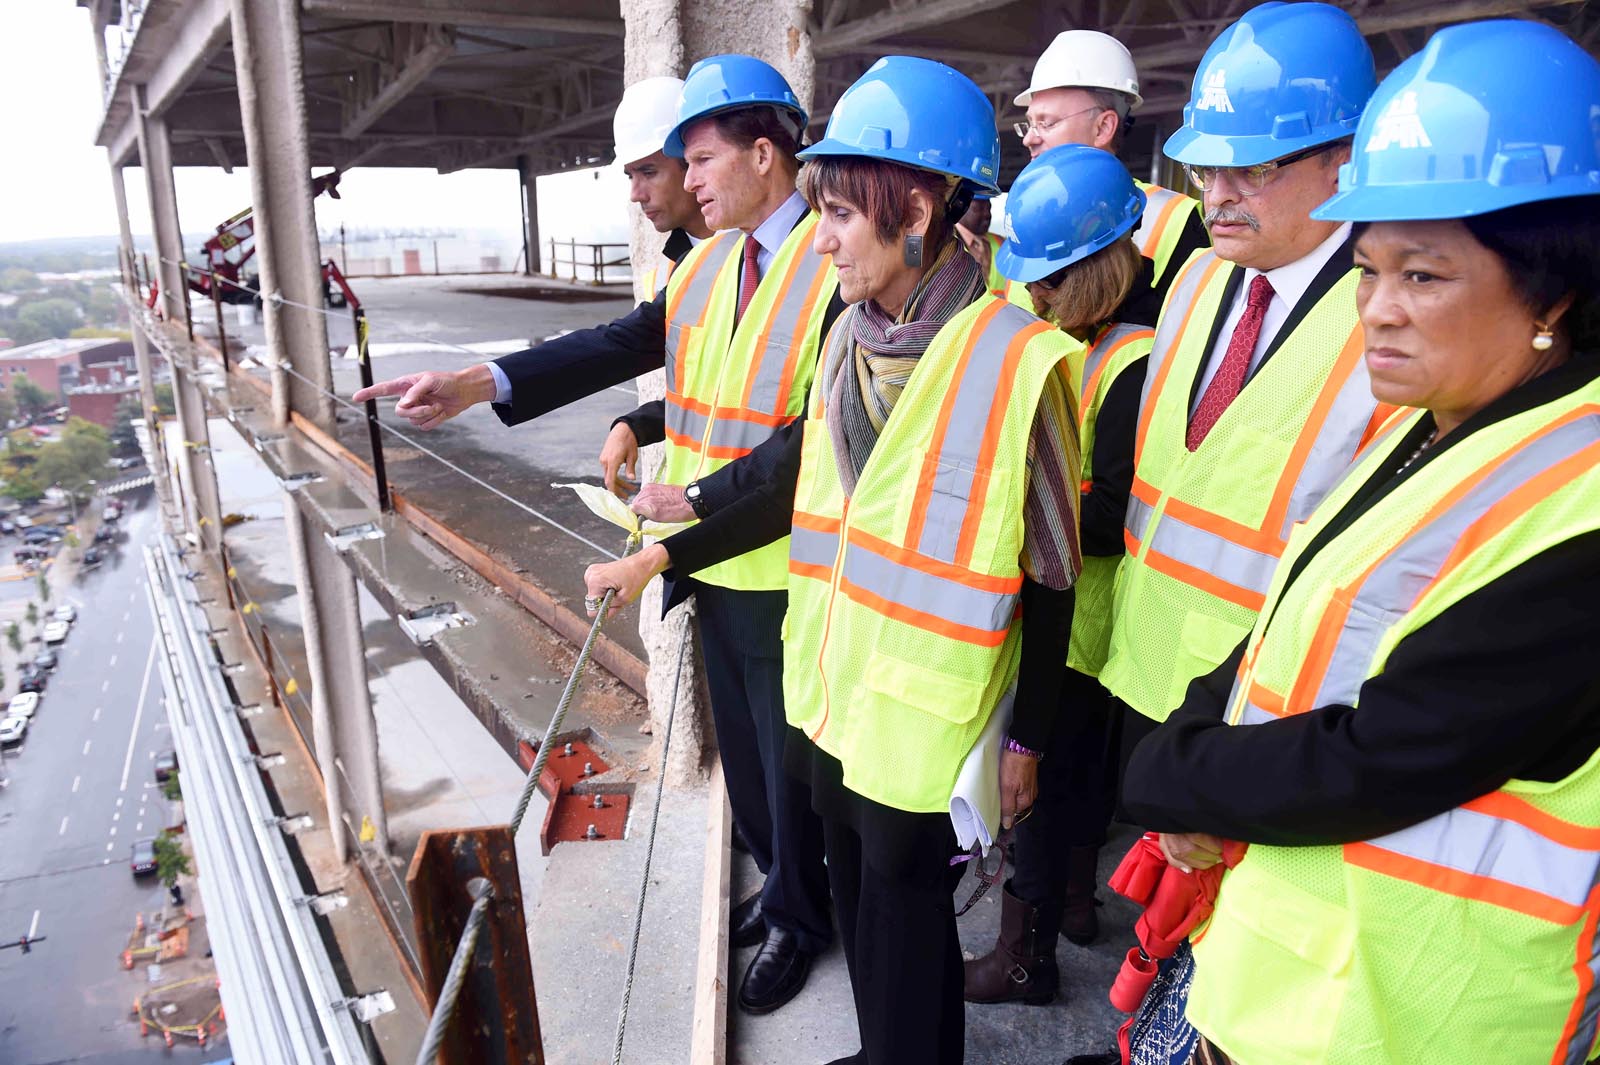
{"x": 750, "y": 277}
{"x": 1228, "y": 381}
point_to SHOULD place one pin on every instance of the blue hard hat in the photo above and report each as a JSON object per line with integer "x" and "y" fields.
{"x": 1066, "y": 205}
{"x": 1284, "y": 78}
{"x": 918, "y": 113}
{"x": 1488, "y": 115}
{"x": 728, "y": 82}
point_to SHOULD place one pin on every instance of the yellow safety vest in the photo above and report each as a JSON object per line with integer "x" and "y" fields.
{"x": 1469, "y": 937}
{"x": 1156, "y": 236}
{"x": 730, "y": 388}
{"x": 1113, "y": 351}
{"x": 998, "y": 282}
{"x": 656, "y": 278}
{"x": 902, "y": 632}
{"x": 1206, "y": 528}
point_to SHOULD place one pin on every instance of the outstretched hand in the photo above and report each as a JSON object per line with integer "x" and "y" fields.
{"x": 429, "y": 399}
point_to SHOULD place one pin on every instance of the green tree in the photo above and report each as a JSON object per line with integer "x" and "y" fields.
{"x": 171, "y": 862}
{"x": 32, "y": 400}
{"x": 44, "y": 319}
{"x": 165, "y": 404}
{"x": 24, "y": 486}
{"x": 99, "y": 332}
{"x": 18, "y": 279}
{"x": 102, "y": 307}
{"x": 171, "y": 790}
{"x": 14, "y": 637}
{"x": 79, "y": 457}
{"x": 32, "y": 615}
{"x": 44, "y": 586}
{"x": 124, "y": 441}
{"x": 8, "y": 409}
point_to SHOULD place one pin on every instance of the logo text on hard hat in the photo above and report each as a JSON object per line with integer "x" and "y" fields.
{"x": 1214, "y": 94}
{"x": 1399, "y": 126}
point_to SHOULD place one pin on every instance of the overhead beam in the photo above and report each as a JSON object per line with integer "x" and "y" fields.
{"x": 907, "y": 19}
{"x": 602, "y": 113}
{"x": 501, "y": 14}
{"x": 415, "y": 50}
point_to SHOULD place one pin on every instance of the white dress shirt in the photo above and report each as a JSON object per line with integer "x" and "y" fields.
{"x": 776, "y": 229}
{"x": 1289, "y": 284}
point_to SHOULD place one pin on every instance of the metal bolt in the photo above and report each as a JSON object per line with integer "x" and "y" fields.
{"x": 567, "y": 751}
{"x": 591, "y": 834}
{"x": 588, "y": 769}
{"x": 599, "y": 804}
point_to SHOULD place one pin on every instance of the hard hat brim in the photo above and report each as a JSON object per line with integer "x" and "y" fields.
{"x": 1442, "y": 201}
{"x": 674, "y": 144}
{"x": 1026, "y": 269}
{"x": 829, "y": 146}
{"x": 1187, "y": 145}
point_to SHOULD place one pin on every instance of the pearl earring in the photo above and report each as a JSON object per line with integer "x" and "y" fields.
{"x": 1542, "y": 340}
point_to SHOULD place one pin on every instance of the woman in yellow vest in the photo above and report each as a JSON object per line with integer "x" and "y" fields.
{"x": 1071, "y": 213}
{"x": 934, "y": 498}
{"x": 1409, "y": 740}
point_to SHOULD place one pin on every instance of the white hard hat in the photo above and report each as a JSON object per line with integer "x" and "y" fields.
{"x": 1084, "y": 59}
{"x": 647, "y": 113}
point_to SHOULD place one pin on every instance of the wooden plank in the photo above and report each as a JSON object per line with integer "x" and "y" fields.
{"x": 496, "y": 1018}
{"x": 709, "y": 1038}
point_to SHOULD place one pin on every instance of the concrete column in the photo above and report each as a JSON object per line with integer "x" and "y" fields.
{"x": 141, "y": 346}
{"x": 268, "y": 60}
{"x": 530, "y": 214}
{"x": 664, "y": 37}
{"x": 155, "y": 156}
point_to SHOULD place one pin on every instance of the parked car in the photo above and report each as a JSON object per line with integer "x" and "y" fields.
{"x": 66, "y": 612}
{"x": 92, "y": 557}
{"x": 110, "y": 514}
{"x": 142, "y": 857}
{"x": 7, "y": 525}
{"x": 24, "y": 522}
{"x": 12, "y": 730}
{"x": 166, "y": 764}
{"x": 38, "y": 537}
{"x": 24, "y": 704}
{"x": 56, "y": 632}
{"x": 105, "y": 534}
{"x": 32, "y": 679}
{"x": 32, "y": 553}
{"x": 46, "y": 659}
{"x": 128, "y": 462}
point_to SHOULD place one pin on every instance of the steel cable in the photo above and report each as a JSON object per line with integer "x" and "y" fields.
{"x": 444, "y": 1009}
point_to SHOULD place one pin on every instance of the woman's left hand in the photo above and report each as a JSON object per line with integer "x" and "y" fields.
{"x": 662, "y": 502}
{"x": 1019, "y": 786}
{"x": 626, "y": 576}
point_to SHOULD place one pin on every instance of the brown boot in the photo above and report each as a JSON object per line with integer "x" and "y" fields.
{"x": 1022, "y": 966}
{"x": 1079, "y": 922}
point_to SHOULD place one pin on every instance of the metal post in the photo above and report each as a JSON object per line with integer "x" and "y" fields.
{"x": 272, "y": 675}
{"x": 222, "y": 330}
{"x": 552, "y": 256}
{"x": 148, "y": 276}
{"x": 374, "y": 432}
{"x": 188, "y": 311}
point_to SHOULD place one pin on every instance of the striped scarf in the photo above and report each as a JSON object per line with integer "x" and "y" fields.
{"x": 871, "y": 356}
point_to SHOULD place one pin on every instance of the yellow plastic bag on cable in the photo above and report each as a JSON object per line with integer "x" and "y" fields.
{"x": 599, "y": 499}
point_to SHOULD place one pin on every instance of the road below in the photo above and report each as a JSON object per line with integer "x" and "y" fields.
{"x": 78, "y": 793}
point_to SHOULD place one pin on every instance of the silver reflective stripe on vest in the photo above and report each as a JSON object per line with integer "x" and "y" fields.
{"x": 926, "y": 593}
{"x": 811, "y": 547}
{"x": 1138, "y": 519}
{"x": 963, "y": 434}
{"x": 1242, "y": 567}
{"x": 786, "y": 328}
{"x": 691, "y": 308}
{"x": 1180, "y": 298}
{"x": 737, "y": 433}
{"x": 1589, "y": 1020}
{"x": 1338, "y": 439}
{"x": 1252, "y": 714}
{"x": 1155, "y": 201}
{"x": 1481, "y": 844}
{"x": 681, "y": 421}
{"x": 1400, "y": 577}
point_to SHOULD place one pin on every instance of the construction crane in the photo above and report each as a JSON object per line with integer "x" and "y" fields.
{"x": 234, "y": 244}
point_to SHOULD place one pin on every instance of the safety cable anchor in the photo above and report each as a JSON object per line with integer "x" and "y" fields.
{"x": 291, "y": 481}
{"x": 425, "y": 623}
{"x": 264, "y": 761}
{"x": 367, "y": 1008}
{"x": 345, "y": 537}
{"x": 325, "y": 903}
{"x": 289, "y": 824}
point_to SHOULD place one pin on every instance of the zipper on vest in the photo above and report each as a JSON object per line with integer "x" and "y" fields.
{"x": 827, "y": 617}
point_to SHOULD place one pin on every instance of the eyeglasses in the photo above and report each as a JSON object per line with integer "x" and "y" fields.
{"x": 1053, "y": 281}
{"x": 1025, "y": 127}
{"x": 1249, "y": 180}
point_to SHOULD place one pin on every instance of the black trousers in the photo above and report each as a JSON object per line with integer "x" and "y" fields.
{"x": 900, "y": 942}
{"x": 741, "y": 634}
{"x": 1094, "y": 737}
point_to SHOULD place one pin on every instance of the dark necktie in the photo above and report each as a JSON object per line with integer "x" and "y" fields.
{"x": 749, "y": 277}
{"x": 1228, "y": 381}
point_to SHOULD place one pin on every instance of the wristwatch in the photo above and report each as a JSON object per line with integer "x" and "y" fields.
{"x": 697, "y": 503}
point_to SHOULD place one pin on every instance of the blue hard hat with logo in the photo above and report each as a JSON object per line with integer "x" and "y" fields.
{"x": 1066, "y": 205}
{"x": 918, "y": 113}
{"x": 728, "y": 82}
{"x": 1284, "y": 78}
{"x": 1488, "y": 115}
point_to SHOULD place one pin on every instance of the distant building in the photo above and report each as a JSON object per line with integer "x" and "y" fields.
{"x": 54, "y": 365}
{"x": 98, "y": 402}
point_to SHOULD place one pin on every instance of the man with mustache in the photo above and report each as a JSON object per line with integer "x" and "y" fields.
{"x": 1256, "y": 396}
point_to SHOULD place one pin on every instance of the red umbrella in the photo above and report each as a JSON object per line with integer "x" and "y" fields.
{"x": 1174, "y": 903}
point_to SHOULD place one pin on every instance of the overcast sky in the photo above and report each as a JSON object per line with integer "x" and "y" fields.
{"x": 54, "y": 181}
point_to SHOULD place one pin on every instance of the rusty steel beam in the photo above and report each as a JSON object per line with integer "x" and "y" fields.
{"x": 496, "y": 1018}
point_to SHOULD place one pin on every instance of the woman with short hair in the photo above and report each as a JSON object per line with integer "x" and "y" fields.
{"x": 1409, "y": 741}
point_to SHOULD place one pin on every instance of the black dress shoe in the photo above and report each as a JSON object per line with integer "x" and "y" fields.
{"x": 747, "y": 925}
{"x": 776, "y": 974}
{"x": 858, "y": 1058}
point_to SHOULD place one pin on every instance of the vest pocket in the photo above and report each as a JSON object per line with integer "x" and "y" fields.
{"x": 1203, "y": 643}
{"x": 907, "y": 729}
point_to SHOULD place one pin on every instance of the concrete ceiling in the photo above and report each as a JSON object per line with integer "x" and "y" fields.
{"x": 451, "y": 84}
